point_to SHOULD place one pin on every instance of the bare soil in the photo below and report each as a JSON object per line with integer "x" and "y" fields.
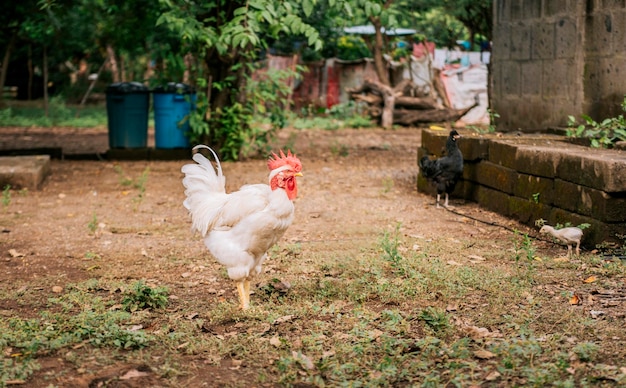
{"x": 356, "y": 185}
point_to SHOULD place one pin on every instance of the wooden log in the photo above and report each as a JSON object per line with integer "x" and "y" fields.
{"x": 417, "y": 102}
{"x": 388, "y": 96}
{"x": 413, "y": 117}
{"x": 371, "y": 99}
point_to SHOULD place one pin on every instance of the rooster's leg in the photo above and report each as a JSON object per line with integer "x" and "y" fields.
{"x": 243, "y": 296}
{"x": 445, "y": 203}
{"x": 438, "y": 199}
{"x": 246, "y": 288}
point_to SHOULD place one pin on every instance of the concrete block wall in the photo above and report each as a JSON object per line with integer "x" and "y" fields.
{"x": 554, "y": 58}
{"x": 540, "y": 176}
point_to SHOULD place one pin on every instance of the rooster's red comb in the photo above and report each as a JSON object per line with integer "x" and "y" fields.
{"x": 276, "y": 161}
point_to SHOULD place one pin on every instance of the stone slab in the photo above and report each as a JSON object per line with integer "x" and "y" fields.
{"x": 24, "y": 171}
{"x": 591, "y": 202}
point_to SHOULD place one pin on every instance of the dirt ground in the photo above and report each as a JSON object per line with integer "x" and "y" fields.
{"x": 356, "y": 184}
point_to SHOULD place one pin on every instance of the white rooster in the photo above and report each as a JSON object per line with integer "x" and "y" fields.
{"x": 239, "y": 227}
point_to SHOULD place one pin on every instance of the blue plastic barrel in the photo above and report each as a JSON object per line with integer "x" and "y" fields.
{"x": 172, "y": 105}
{"x": 128, "y": 104}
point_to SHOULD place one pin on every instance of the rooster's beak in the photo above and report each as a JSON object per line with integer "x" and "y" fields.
{"x": 298, "y": 174}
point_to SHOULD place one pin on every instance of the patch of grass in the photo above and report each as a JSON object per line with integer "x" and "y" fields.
{"x": 358, "y": 313}
{"x": 78, "y": 317}
{"x": 59, "y": 114}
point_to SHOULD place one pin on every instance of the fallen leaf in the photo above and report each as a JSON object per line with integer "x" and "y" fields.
{"x": 561, "y": 259}
{"x": 15, "y": 253}
{"x": 304, "y": 361}
{"x": 484, "y": 354}
{"x": 493, "y": 376}
{"x": 275, "y": 341}
{"x": 133, "y": 374}
{"x": 590, "y": 279}
{"x": 596, "y": 313}
{"x": 574, "y": 300}
{"x": 57, "y": 289}
{"x": 374, "y": 334}
{"x": 452, "y": 262}
{"x": 135, "y": 327}
{"x": 328, "y": 353}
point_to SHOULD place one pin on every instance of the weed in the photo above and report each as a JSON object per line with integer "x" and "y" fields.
{"x": 601, "y": 134}
{"x": 142, "y": 296}
{"x": 524, "y": 255}
{"x": 6, "y": 196}
{"x": 139, "y": 183}
{"x": 339, "y": 150}
{"x": 491, "y": 128}
{"x": 535, "y": 197}
{"x": 436, "y": 320}
{"x": 387, "y": 184}
{"x": 389, "y": 244}
{"x": 93, "y": 223}
{"x": 586, "y": 351}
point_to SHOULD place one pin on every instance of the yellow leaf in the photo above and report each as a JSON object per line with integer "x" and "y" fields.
{"x": 590, "y": 279}
{"x": 575, "y": 299}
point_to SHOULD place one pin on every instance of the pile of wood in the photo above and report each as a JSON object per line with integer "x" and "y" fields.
{"x": 406, "y": 104}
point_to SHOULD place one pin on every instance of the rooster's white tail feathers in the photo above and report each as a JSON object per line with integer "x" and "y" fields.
{"x": 205, "y": 190}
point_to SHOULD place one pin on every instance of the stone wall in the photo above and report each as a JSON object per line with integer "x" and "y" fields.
{"x": 554, "y": 58}
{"x": 532, "y": 177}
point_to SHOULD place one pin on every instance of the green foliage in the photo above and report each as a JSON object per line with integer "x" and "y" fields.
{"x": 141, "y": 296}
{"x": 601, "y": 134}
{"x": 352, "y": 47}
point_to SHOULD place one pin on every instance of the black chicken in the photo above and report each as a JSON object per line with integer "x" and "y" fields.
{"x": 445, "y": 171}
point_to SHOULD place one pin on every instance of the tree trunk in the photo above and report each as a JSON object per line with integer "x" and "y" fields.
{"x": 113, "y": 62}
{"x": 45, "y": 80}
{"x": 379, "y": 61}
{"x": 5, "y": 66}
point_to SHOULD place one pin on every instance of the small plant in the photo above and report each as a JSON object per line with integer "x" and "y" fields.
{"x": 535, "y": 197}
{"x": 387, "y": 184}
{"x": 93, "y": 224}
{"x": 389, "y": 244}
{"x": 435, "y": 319}
{"x": 139, "y": 183}
{"x": 6, "y": 196}
{"x": 491, "y": 128}
{"x": 339, "y": 150}
{"x": 142, "y": 296}
{"x": 586, "y": 351}
{"x": 601, "y": 134}
{"x": 524, "y": 254}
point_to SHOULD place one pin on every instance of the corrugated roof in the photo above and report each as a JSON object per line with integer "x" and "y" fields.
{"x": 369, "y": 30}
